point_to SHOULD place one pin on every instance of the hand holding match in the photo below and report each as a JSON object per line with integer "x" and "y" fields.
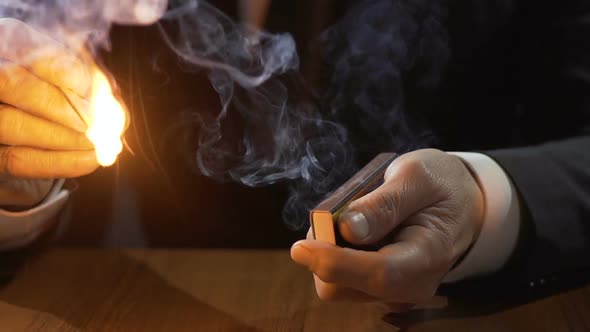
{"x": 58, "y": 117}
{"x": 429, "y": 209}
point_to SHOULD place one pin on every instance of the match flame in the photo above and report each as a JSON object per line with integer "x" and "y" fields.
{"x": 106, "y": 121}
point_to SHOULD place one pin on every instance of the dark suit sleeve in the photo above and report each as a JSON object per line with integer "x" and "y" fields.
{"x": 551, "y": 169}
{"x": 553, "y": 178}
{"x": 553, "y": 249}
{"x": 553, "y": 181}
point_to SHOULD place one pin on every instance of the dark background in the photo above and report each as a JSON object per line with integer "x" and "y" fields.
{"x": 501, "y": 89}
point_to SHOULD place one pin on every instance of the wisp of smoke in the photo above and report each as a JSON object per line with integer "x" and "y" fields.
{"x": 282, "y": 137}
{"x": 76, "y": 22}
{"x": 372, "y": 51}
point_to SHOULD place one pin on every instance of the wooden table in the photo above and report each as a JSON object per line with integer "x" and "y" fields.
{"x": 223, "y": 290}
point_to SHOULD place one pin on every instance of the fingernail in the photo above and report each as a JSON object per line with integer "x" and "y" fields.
{"x": 357, "y": 224}
{"x": 301, "y": 254}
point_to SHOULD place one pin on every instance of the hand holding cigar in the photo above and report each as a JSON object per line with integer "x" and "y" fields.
{"x": 425, "y": 215}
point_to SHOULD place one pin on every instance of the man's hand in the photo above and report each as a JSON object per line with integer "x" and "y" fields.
{"x": 429, "y": 208}
{"x": 41, "y": 131}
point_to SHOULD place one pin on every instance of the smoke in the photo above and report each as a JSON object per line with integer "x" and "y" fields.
{"x": 281, "y": 137}
{"x": 307, "y": 143}
{"x": 81, "y": 22}
{"x": 50, "y": 37}
{"x": 378, "y": 51}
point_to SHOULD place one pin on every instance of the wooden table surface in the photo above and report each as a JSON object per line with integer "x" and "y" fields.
{"x": 224, "y": 290}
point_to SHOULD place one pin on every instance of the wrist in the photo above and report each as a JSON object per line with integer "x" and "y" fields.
{"x": 469, "y": 212}
{"x": 498, "y": 232}
{"x": 477, "y": 216}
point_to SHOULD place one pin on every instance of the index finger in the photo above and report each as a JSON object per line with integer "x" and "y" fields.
{"x": 360, "y": 270}
{"x": 333, "y": 292}
{"x": 399, "y": 272}
{"x": 23, "y": 90}
{"x": 30, "y": 163}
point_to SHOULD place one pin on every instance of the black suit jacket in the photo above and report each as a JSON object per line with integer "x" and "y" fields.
{"x": 543, "y": 98}
{"x": 523, "y": 72}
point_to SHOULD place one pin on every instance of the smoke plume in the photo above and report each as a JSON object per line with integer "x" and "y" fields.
{"x": 305, "y": 143}
{"x": 76, "y": 22}
{"x": 283, "y": 138}
{"x": 376, "y": 52}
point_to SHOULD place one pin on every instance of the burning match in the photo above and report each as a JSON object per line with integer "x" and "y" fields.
{"x": 106, "y": 122}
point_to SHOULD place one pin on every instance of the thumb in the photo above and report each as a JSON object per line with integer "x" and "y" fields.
{"x": 407, "y": 189}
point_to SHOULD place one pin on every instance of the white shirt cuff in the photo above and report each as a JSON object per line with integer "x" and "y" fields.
{"x": 501, "y": 224}
{"x": 18, "y": 229}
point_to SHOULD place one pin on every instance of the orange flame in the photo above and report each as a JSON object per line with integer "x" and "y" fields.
{"x": 106, "y": 121}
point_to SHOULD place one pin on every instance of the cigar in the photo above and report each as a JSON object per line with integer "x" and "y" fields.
{"x": 324, "y": 216}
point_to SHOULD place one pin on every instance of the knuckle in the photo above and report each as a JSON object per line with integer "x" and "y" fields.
{"x": 385, "y": 203}
{"x": 412, "y": 165}
{"x": 66, "y": 69}
{"x": 10, "y": 121}
{"x": 423, "y": 173}
{"x": 5, "y": 124}
{"x": 59, "y": 135}
{"x": 8, "y": 160}
{"x": 53, "y": 100}
{"x": 15, "y": 83}
{"x": 423, "y": 164}
{"x": 409, "y": 164}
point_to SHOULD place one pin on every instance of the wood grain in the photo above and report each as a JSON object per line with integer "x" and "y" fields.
{"x": 224, "y": 290}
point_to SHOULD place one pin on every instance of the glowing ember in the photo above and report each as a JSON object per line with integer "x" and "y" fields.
{"x": 107, "y": 121}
